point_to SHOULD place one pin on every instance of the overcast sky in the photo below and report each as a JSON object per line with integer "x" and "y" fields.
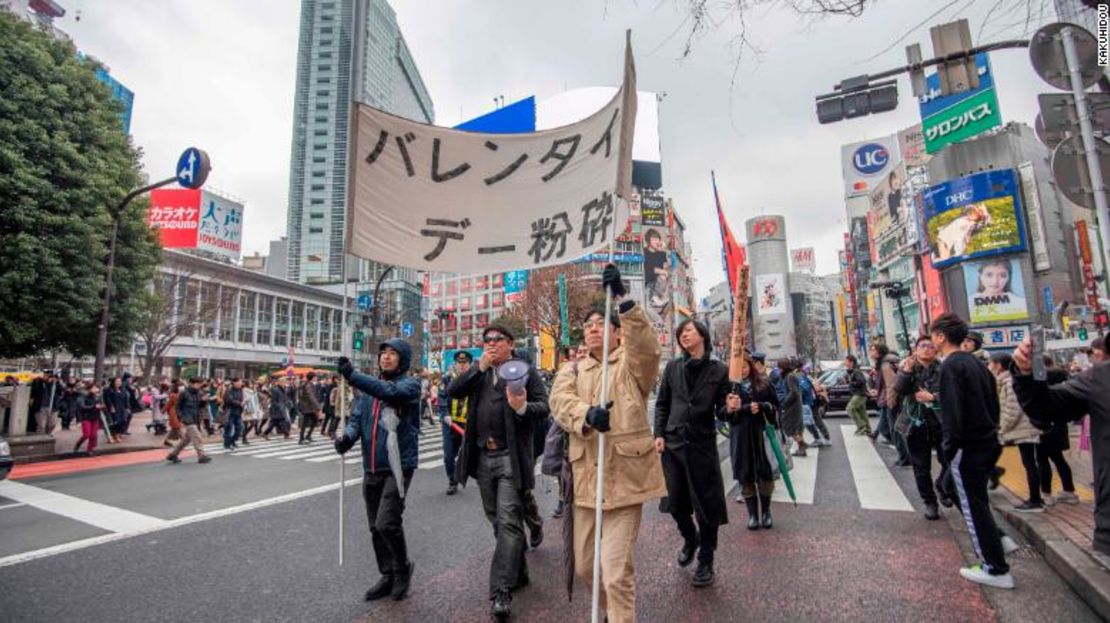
{"x": 220, "y": 74}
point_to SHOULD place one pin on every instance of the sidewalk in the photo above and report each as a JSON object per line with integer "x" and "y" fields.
{"x": 137, "y": 441}
{"x": 1063, "y": 532}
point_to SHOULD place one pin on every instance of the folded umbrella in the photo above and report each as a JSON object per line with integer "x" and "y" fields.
{"x": 780, "y": 457}
{"x": 390, "y": 421}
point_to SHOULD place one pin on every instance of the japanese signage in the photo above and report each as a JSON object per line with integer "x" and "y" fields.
{"x": 1003, "y": 337}
{"x": 652, "y": 211}
{"x": 770, "y": 294}
{"x": 974, "y": 216}
{"x": 766, "y": 228}
{"x": 196, "y": 219}
{"x": 1089, "y": 283}
{"x": 911, "y": 143}
{"x": 442, "y": 199}
{"x": 863, "y": 164}
{"x": 995, "y": 290}
{"x": 1038, "y": 239}
{"x": 803, "y": 260}
{"x": 951, "y": 118}
{"x": 516, "y": 282}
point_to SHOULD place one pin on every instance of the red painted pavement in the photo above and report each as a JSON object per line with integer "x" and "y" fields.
{"x": 84, "y": 464}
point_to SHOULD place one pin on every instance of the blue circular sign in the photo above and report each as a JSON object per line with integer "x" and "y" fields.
{"x": 871, "y": 158}
{"x": 406, "y": 329}
{"x": 192, "y": 168}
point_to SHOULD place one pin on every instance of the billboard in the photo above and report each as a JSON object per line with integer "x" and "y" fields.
{"x": 197, "y": 219}
{"x": 891, "y": 219}
{"x": 995, "y": 291}
{"x": 974, "y": 216}
{"x": 770, "y": 294}
{"x": 951, "y": 118}
{"x": 803, "y": 260}
{"x": 864, "y": 164}
{"x": 911, "y": 143}
{"x": 516, "y": 282}
{"x": 653, "y": 212}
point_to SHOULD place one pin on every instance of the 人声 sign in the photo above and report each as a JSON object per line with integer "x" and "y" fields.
{"x": 448, "y": 200}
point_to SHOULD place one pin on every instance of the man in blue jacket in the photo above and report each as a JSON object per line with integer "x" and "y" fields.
{"x": 380, "y": 489}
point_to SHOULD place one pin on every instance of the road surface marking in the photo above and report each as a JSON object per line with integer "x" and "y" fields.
{"x": 282, "y": 452}
{"x": 93, "y": 513}
{"x": 875, "y": 485}
{"x": 166, "y": 524}
{"x": 804, "y": 478}
{"x": 318, "y": 452}
{"x": 325, "y": 458}
{"x": 12, "y": 505}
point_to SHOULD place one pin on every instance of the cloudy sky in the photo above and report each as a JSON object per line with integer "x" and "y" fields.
{"x": 220, "y": 74}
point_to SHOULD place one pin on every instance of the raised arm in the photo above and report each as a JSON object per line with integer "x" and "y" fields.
{"x": 641, "y": 346}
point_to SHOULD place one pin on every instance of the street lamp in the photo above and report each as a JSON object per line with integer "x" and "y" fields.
{"x": 192, "y": 171}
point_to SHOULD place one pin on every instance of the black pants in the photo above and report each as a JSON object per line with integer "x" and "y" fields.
{"x": 308, "y": 424}
{"x": 970, "y": 469}
{"x": 504, "y": 508}
{"x": 921, "y": 442}
{"x": 1030, "y": 461}
{"x": 384, "y": 510}
{"x": 1046, "y": 459}
{"x": 282, "y": 426}
{"x": 680, "y": 505}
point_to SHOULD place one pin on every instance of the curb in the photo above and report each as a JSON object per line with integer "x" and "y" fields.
{"x": 1089, "y": 578}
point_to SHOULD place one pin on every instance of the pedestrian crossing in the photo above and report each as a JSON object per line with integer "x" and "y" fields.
{"x": 321, "y": 449}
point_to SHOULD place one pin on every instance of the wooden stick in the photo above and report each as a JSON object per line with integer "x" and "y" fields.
{"x": 737, "y": 363}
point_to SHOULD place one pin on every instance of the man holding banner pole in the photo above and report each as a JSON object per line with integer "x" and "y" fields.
{"x": 630, "y": 471}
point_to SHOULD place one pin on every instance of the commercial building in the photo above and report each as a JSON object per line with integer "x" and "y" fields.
{"x": 318, "y": 165}
{"x": 772, "y": 309}
{"x": 814, "y": 324}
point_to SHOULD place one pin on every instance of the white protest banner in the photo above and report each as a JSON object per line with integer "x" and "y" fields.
{"x": 440, "y": 199}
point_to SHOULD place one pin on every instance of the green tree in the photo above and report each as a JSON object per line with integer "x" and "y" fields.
{"x": 65, "y": 162}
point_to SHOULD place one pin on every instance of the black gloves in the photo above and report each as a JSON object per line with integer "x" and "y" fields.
{"x": 611, "y": 279}
{"x": 598, "y": 417}
{"x": 343, "y": 443}
{"x": 345, "y": 368}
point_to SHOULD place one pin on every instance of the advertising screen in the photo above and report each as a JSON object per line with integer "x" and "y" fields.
{"x": 175, "y": 213}
{"x": 220, "y": 229}
{"x": 974, "y": 216}
{"x": 995, "y": 291}
{"x": 863, "y": 164}
{"x": 770, "y": 293}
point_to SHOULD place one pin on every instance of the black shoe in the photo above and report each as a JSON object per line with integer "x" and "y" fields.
{"x": 558, "y": 510}
{"x": 1029, "y": 506}
{"x": 502, "y": 606}
{"x": 523, "y": 580}
{"x": 686, "y": 554}
{"x": 382, "y": 589}
{"x": 931, "y": 511}
{"x": 995, "y": 476}
{"x": 946, "y": 501}
{"x": 537, "y": 536}
{"x": 901, "y": 463}
{"x": 765, "y": 501}
{"x": 452, "y": 489}
{"x": 703, "y": 576}
{"x": 753, "y": 512}
{"x": 204, "y": 459}
{"x": 401, "y": 582}
{"x": 171, "y": 458}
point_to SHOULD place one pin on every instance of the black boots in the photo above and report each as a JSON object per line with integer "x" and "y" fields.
{"x": 383, "y": 588}
{"x": 502, "y": 606}
{"x": 703, "y": 576}
{"x": 765, "y": 502}
{"x": 401, "y": 582}
{"x": 753, "y": 512}
{"x": 686, "y": 554}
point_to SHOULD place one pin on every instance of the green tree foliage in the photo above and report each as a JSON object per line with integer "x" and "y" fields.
{"x": 65, "y": 163}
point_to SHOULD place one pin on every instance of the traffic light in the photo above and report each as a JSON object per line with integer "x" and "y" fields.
{"x": 1082, "y": 333}
{"x": 359, "y": 336}
{"x": 180, "y": 362}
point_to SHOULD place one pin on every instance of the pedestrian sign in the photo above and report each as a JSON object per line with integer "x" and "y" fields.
{"x": 406, "y": 329}
{"x": 192, "y": 168}
{"x": 365, "y": 301}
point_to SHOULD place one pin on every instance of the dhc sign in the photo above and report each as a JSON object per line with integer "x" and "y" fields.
{"x": 870, "y": 159}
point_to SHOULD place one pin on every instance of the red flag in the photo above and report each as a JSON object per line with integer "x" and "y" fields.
{"x": 733, "y": 254}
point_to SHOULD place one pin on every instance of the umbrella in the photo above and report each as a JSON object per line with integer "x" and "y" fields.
{"x": 390, "y": 421}
{"x": 784, "y": 467}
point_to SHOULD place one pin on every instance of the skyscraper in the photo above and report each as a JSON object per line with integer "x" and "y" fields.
{"x": 318, "y": 165}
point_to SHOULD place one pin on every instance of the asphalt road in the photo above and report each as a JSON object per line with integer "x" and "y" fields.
{"x": 254, "y": 537}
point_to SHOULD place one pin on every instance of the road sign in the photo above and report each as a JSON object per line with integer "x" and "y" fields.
{"x": 1050, "y": 138}
{"x": 1069, "y": 169}
{"x": 192, "y": 168}
{"x": 1046, "y": 52}
{"x": 1058, "y": 113}
{"x": 406, "y": 329}
{"x": 365, "y": 301}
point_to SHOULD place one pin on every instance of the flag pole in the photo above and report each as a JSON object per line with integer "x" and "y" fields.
{"x": 359, "y": 12}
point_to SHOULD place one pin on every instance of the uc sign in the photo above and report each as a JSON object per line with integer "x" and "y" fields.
{"x": 765, "y": 228}
{"x": 871, "y": 158}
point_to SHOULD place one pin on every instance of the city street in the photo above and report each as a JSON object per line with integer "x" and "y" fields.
{"x": 253, "y": 536}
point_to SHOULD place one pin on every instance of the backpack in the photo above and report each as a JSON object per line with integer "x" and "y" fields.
{"x": 555, "y": 445}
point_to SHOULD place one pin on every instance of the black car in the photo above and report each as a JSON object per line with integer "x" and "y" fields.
{"x": 836, "y": 381}
{"x": 5, "y": 458}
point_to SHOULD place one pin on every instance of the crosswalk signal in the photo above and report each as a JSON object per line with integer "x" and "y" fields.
{"x": 1082, "y": 333}
{"x": 359, "y": 336}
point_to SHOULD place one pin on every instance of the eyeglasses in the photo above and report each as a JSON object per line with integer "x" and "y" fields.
{"x": 927, "y": 346}
{"x": 595, "y": 324}
{"x": 493, "y": 339}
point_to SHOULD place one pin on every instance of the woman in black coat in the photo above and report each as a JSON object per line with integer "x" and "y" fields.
{"x": 691, "y": 398}
{"x": 751, "y": 466}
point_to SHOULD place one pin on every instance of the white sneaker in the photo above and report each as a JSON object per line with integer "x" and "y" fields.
{"x": 1009, "y": 546}
{"x": 976, "y": 574}
{"x": 1067, "y": 497}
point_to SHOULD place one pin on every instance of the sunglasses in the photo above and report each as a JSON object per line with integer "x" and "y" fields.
{"x": 493, "y": 339}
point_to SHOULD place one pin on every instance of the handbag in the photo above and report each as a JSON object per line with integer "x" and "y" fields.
{"x": 554, "y": 448}
{"x": 909, "y": 417}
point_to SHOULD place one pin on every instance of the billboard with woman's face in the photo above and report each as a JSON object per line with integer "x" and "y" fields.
{"x": 995, "y": 291}
{"x": 974, "y": 216}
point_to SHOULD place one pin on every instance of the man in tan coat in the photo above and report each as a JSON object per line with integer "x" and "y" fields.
{"x": 633, "y": 472}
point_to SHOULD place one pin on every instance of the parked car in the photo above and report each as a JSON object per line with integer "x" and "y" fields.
{"x": 5, "y": 458}
{"x": 837, "y": 383}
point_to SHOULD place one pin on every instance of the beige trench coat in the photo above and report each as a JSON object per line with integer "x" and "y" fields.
{"x": 633, "y": 470}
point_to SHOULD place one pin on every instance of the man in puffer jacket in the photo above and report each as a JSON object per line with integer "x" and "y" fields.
{"x": 380, "y": 489}
{"x": 1015, "y": 427}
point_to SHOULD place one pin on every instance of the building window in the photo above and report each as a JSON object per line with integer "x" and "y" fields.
{"x": 316, "y": 215}
{"x": 209, "y": 309}
{"x": 324, "y": 68}
{"x": 321, "y": 119}
{"x": 320, "y": 132}
{"x": 228, "y": 298}
{"x": 265, "y": 318}
{"x": 246, "y": 317}
{"x": 297, "y": 325}
{"x": 317, "y": 201}
{"x": 315, "y": 230}
{"x": 326, "y": 30}
{"x": 452, "y": 288}
{"x": 323, "y": 106}
{"x": 317, "y": 187}
{"x": 337, "y": 330}
{"x": 281, "y": 325}
{"x": 319, "y": 159}
{"x": 312, "y": 326}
